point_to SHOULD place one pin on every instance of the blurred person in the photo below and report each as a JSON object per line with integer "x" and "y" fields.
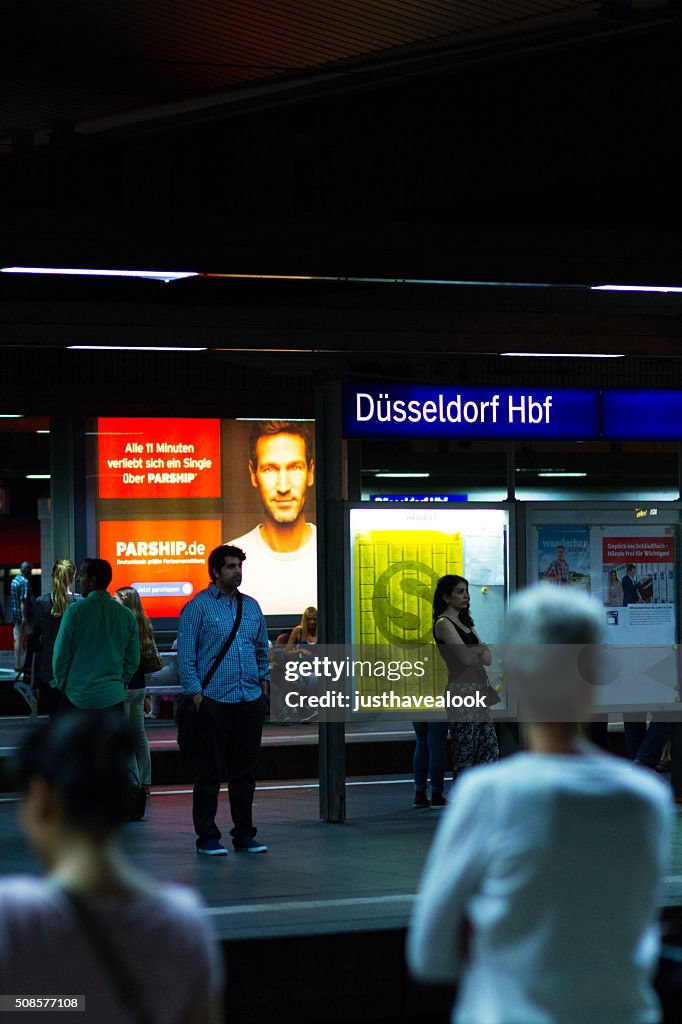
{"x": 282, "y": 550}
{"x": 48, "y": 614}
{"x": 133, "y": 705}
{"x": 227, "y": 685}
{"x": 473, "y": 734}
{"x": 97, "y": 649}
{"x": 540, "y": 895}
{"x": 644, "y": 745}
{"x": 21, "y": 603}
{"x": 96, "y": 925}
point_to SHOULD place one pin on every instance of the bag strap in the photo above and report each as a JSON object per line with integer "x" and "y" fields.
{"x": 226, "y": 646}
{"x": 127, "y": 988}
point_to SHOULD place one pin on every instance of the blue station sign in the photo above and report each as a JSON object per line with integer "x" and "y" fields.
{"x": 642, "y": 415}
{"x": 472, "y": 412}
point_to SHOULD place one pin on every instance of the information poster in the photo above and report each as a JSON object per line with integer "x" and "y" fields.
{"x": 632, "y": 580}
{"x": 638, "y": 584}
{"x": 171, "y": 490}
{"x": 564, "y": 555}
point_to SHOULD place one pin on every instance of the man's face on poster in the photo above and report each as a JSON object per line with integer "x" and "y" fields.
{"x": 282, "y": 475}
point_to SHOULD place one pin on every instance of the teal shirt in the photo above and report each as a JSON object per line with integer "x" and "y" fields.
{"x": 96, "y": 652}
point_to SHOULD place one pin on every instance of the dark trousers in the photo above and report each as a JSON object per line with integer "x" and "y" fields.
{"x": 229, "y": 738}
{"x": 51, "y": 698}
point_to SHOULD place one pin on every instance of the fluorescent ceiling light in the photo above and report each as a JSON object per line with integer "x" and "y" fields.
{"x": 42, "y": 431}
{"x": 635, "y": 288}
{"x": 11, "y": 415}
{"x": 567, "y": 355}
{"x": 135, "y": 348}
{"x": 347, "y": 279}
{"x": 307, "y": 351}
{"x": 37, "y": 476}
{"x": 559, "y": 472}
{"x": 405, "y": 475}
{"x": 150, "y": 275}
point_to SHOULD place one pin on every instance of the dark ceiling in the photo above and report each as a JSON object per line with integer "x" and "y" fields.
{"x": 526, "y": 141}
{"x": 83, "y": 68}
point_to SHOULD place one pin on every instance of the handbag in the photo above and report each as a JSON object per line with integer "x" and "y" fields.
{"x": 484, "y": 685}
{"x": 150, "y": 660}
{"x": 185, "y": 710}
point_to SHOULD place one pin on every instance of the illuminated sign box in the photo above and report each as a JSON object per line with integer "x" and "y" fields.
{"x": 485, "y": 413}
{"x": 158, "y": 458}
{"x": 642, "y": 415}
{"x": 164, "y": 560}
{"x": 163, "y": 482}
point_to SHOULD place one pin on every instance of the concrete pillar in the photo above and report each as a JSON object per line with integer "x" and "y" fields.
{"x": 331, "y": 492}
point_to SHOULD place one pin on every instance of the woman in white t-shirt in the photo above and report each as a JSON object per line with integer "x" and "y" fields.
{"x": 541, "y": 891}
{"x": 139, "y": 952}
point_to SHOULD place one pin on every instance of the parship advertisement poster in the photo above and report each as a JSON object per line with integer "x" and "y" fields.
{"x": 169, "y": 490}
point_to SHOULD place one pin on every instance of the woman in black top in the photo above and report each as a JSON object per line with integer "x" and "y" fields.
{"x": 472, "y": 730}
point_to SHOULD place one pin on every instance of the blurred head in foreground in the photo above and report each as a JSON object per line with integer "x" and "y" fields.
{"x": 551, "y": 641}
{"x": 74, "y": 777}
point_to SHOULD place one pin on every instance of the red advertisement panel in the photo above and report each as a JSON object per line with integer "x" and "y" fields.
{"x": 158, "y": 458}
{"x": 166, "y": 561}
{"x": 637, "y": 550}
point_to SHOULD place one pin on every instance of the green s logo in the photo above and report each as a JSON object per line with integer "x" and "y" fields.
{"x": 404, "y": 586}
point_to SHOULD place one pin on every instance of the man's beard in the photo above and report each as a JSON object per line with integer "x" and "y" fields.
{"x": 285, "y": 517}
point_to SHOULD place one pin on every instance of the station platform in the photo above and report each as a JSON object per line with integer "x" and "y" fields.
{"x": 314, "y": 929}
{"x": 289, "y": 752}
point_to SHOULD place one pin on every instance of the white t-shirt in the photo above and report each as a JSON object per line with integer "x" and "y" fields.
{"x": 162, "y": 936}
{"x": 283, "y": 582}
{"x": 557, "y": 863}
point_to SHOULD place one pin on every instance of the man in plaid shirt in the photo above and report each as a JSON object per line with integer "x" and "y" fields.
{"x": 231, "y": 708}
{"x": 21, "y": 601}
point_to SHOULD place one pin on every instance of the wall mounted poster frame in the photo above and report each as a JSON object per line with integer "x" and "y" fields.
{"x": 626, "y": 561}
{"x": 395, "y": 556}
{"x": 169, "y": 490}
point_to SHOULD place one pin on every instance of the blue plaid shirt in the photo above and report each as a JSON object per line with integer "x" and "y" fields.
{"x": 20, "y": 590}
{"x": 205, "y": 624}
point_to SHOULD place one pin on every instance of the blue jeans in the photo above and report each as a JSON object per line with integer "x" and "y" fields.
{"x": 429, "y": 755}
{"x": 645, "y": 745}
{"x": 140, "y": 762}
